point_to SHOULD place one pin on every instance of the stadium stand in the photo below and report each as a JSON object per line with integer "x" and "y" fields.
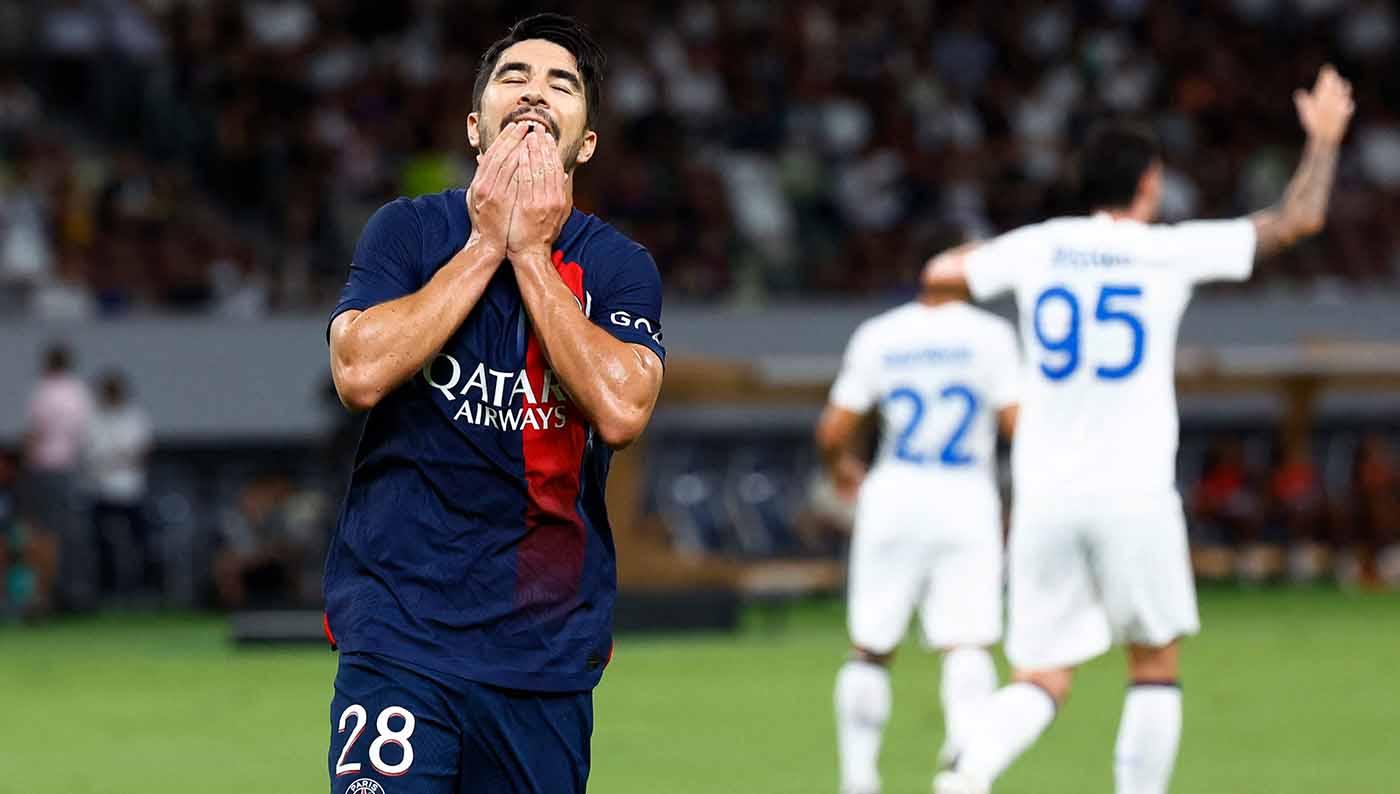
{"x": 220, "y": 156}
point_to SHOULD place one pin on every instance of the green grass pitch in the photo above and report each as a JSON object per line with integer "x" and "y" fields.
{"x": 1286, "y": 691}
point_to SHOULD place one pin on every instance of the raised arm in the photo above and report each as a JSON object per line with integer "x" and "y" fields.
{"x": 1325, "y": 113}
{"x": 375, "y": 350}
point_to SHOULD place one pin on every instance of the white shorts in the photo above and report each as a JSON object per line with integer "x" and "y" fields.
{"x": 912, "y": 549}
{"x": 1088, "y": 573}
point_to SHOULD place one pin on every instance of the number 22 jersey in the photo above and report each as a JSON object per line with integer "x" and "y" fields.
{"x": 939, "y": 375}
{"x": 1100, "y": 301}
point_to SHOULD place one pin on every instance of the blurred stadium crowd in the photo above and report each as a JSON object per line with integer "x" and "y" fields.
{"x": 220, "y": 156}
{"x": 93, "y": 513}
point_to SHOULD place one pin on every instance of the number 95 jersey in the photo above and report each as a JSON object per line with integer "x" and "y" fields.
{"x": 1100, "y": 300}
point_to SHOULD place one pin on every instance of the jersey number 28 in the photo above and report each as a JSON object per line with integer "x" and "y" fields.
{"x": 387, "y": 736}
{"x": 1116, "y": 305}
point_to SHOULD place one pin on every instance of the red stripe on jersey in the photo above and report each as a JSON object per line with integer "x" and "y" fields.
{"x": 326, "y": 626}
{"x": 549, "y": 560}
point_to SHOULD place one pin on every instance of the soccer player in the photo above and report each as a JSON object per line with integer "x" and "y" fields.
{"x": 504, "y": 345}
{"x": 928, "y": 517}
{"x": 1098, "y": 550}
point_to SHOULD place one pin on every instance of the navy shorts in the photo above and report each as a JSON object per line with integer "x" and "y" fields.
{"x": 398, "y": 730}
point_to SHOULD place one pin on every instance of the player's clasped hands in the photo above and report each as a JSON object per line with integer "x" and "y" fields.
{"x": 492, "y": 195}
{"x": 542, "y": 204}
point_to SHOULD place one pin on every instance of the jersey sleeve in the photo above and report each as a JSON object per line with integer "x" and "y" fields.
{"x": 1209, "y": 250}
{"x": 992, "y": 266}
{"x": 1006, "y": 376}
{"x": 630, "y": 306}
{"x": 857, "y": 384}
{"x": 386, "y": 261}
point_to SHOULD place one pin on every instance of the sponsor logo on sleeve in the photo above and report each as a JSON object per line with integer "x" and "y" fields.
{"x": 625, "y": 319}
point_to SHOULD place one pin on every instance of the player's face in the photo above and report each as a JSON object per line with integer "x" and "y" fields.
{"x": 536, "y": 80}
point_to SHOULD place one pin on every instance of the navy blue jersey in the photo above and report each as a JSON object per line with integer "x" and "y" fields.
{"x": 474, "y": 540}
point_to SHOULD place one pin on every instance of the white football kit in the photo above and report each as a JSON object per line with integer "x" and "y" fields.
{"x": 928, "y": 517}
{"x": 1098, "y": 550}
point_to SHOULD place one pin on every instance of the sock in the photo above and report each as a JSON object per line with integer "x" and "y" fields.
{"x": 862, "y": 708}
{"x": 1015, "y": 716}
{"x": 969, "y": 678}
{"x": 1147, "y": 739}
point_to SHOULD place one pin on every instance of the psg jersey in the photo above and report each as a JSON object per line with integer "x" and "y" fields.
{"x": 474, "y": 540}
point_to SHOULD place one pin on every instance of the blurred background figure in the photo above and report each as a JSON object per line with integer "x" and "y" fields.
{"x": 59, "y": 417}
{"x": 28, "y": 554}
{"x": 118, "y": 446}
{"x": 1225, "y": 510}
{"x": 272, "y": 545}
{"x": 1368, "y": 533}
{"x": 1296, "y": 512}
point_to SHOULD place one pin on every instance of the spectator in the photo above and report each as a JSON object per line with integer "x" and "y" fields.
{"x": 272, "y": 542}
{"x": 1296, "y": 509}
{"x": 28, "y": 555}
{"x": 1224, "y": 510}
{"x": 118, "y": 445}
{"x": 1368, "y": 535}
{"x": 60, "y": 411}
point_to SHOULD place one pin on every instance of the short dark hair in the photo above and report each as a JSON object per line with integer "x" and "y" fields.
{"x": 568, "y": 33}
{"x": 1112, "y": 162}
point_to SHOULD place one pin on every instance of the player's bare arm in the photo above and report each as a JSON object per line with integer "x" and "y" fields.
{"x": 375, "y": 350}
{"x": 614, "y": 383}
{"x": 835, "y": 431}
{"x": 947, "y": 270}
{"x": 1325, "y": 113}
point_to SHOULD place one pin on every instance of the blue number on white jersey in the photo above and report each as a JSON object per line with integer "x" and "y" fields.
{"x": 952, "y": 452}
{"x": 1117, "y": 304}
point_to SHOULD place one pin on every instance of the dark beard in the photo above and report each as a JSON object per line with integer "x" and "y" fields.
{"x": 569, "y": 156}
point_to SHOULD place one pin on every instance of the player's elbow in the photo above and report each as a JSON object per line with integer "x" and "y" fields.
{"x": 623, "y": 427}
{"x": 356, "y": 379}
{"x": 355, "y": 388}
{"x": 1311, "y": 224}
{"x": 1303, "y": 223}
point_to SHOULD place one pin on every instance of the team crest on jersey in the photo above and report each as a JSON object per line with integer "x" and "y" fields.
{"x": 365, "y": 786}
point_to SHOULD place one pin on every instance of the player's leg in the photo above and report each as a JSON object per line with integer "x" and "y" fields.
{"x": 961, "y": 616}
{"x": 863, "y": 702}
{"x": 41, "y": 557}
{"x": 1144, "y": 569}
{"x": 968, "y": 681}
{"x": 517, "y": 742}
{"x": 1055, "y": 622}
{"x": 1150, "y": 730}
{"x": 390, "y": 731}
{"x": 887, "y": 573}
